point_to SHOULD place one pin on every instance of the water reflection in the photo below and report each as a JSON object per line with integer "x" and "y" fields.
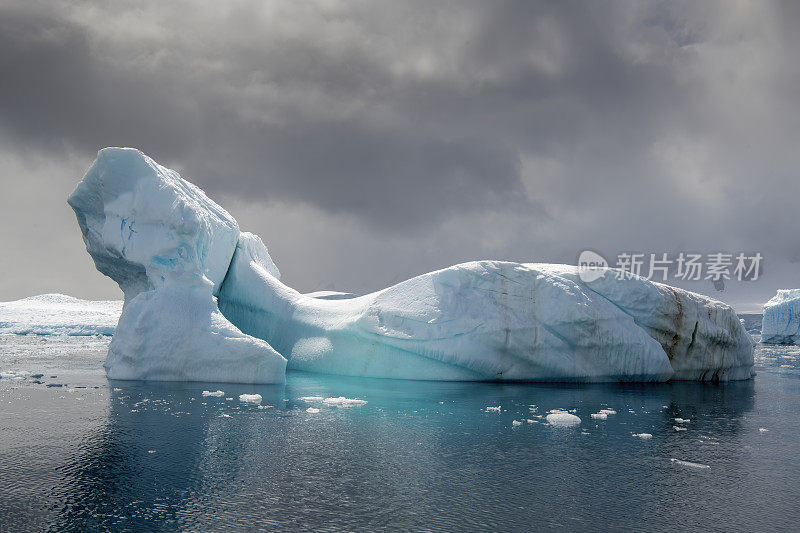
{"x": 418, "y": 454}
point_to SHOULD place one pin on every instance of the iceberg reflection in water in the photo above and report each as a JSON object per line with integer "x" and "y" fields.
{"x": 416, "y": 455}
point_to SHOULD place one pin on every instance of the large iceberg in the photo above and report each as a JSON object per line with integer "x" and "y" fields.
{"x": 168, "y": 246}
{"x": 781, "y": 322}
{"x": 172, "y": 250}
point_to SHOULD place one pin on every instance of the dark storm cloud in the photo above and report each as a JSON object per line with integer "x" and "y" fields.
{"x": 521, "y": 130}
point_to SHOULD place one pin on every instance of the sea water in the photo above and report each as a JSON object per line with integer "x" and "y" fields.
{"x": 79, "y": 452}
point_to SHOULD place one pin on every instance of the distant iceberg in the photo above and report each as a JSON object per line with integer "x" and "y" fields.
{"x": 781, "y": 322}
{"x": 201, "y": 296}
{"x": 58, "y": 314}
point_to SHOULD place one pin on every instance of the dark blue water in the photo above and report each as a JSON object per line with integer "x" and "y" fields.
{"x": 416, "y": 456}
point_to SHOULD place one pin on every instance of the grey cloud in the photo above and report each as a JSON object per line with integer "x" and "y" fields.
{"x": 517, "y": 130}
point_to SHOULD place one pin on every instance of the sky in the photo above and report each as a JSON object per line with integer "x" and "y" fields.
{"x": 369, "y": 142}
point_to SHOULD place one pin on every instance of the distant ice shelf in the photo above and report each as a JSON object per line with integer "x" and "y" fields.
{"x": 781, "y": 322}
{"x": 195, "y": 286}
{"x": 58, "y": 314}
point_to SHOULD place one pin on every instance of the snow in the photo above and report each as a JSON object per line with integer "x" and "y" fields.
{"x": 250, "y": 398}
{"x": 59, "y": 314}
{"x": 341, "y": 401}
{"x": 152, "y": 231}
{"x": 781, "y": 321}
{"x": 217, "y": 394}
{"x": 168, "y": 246}
{"x": 562, "y": 419}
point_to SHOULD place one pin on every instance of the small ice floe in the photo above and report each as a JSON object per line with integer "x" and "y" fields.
{"x": 312, "y": 410}
{"x": 151, "y": 451}
{"x": 228, "y": 399}
{"x": 678, "y": 428}
{"x": 491, "y": 409}
{"x": 216, "y": 393}
{"x": 608, "y": 411}
{"x": 516, "y": 423}
{"x": 600, "y": 416}
{"x": 310, "y": 399}
{"x": 264, "y": 406}
{"x": 224, "y": 415}
{"x": 688, "y": 464}
{"x": 763, "y": 430}
{"x": 644, "y": 436}
{"x": 250, "y": 398}
{"x": 560, "y": 418}
{"x": 529, "y": 421}
{"x": 682, "y": 420}
{"x": 341, "y": 401}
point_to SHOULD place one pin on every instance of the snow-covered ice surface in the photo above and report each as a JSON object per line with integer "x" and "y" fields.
{"x": 492, "y": 320}
{"x": 781, "y": 322}
{"x": 168, "y": 246}
{"x": 75, "y": 451}
{"x": 58, "y": 314}
{"x": 152, "y": 232}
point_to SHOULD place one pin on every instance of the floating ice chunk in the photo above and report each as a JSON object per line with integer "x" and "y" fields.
{"x": 600, "y": 416}
{"x": 310, "y": 399}
{"x": 688, "y": 463}
{"x": 608, "y": 411}
{"x": 562, "y": 419}
{"x": 218, "y": 393}
{"x": 250, "y": 398}
{"x": 763, "y": 430}
{"x": 679, "y": 428}
{"x": 491, "y": 409}
{"x": 312, "y": 410}
{"x": 530, "y": 421}
{"x": 682, "y": 420}
{"x": 516, "y": 423}
{"x": 644, "y": 436}
{"x": 781, "y": 320}
{"x": 341, "y": 401}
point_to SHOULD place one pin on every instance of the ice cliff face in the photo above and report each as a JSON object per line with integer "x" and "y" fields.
{"x": 168, "y": 246}
{"x": 781, "y": 322}
{"x": 486, "y": 320}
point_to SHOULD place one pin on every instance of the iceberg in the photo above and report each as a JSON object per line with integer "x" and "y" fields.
{"x": 59, "y": 314}
{"x": 204, "y": 301}
{"x": 168, "y": 247}
{"x": 781, "y": 321}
